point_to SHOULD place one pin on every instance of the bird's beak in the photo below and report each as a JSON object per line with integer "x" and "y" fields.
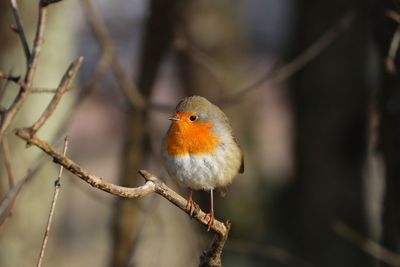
{"x": 174, "y": 118}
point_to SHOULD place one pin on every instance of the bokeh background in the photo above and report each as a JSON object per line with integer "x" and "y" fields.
{"x": 321, "y": 146}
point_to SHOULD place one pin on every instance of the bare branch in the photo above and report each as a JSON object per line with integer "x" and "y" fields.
{"x": 369, "y": 246}
{"x": 153, "y": 184}
{"x": 62, "y": 88}
{"x": 57, "y": 186}
{"x": 7, "y": 162}
{"x": 82, "y": 173}
{"x": 20, "y": 30}
{"x": 24, "y": 90}
{"x": 179, "y": 201}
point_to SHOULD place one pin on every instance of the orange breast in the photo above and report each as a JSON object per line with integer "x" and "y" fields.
{"x": 195, "y": 138}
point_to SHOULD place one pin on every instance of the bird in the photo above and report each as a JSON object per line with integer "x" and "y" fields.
{"x": 200, "y": 151}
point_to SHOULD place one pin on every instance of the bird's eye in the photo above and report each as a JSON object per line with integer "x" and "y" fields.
{"x": 193, "y": 118}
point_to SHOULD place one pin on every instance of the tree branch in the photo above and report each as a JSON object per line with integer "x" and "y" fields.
{"x": 24, "y": 91}
{"x": 62, "y": 88}
{"x": 152, "y": 184}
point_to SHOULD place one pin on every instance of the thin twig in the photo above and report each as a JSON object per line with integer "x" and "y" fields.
{"x": 152, "y": 184}
{"x": 20, "y": 30}
{"x": 7, "y": 162}
{"x": 367, "y": 245}
{"x": 62, "y": 88}
{"x": 57, "y": 186}
{"x": 99, "y": 30}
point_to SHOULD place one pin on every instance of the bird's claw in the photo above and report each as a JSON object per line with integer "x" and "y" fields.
{"x": 191, "y": 206}
{"x": 211, "y": 221}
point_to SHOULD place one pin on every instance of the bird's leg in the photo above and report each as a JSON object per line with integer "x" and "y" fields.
{"x": 211, "y": 214}
{"x": 190, "y": 202}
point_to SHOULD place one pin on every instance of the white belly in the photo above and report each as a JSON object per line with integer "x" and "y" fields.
{"x": 203, "y": 171}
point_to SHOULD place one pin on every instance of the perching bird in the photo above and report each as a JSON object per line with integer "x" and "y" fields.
{"x": 199, "y": 150}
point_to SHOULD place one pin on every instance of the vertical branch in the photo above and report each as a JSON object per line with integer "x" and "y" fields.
{"x": 57, "y": 186}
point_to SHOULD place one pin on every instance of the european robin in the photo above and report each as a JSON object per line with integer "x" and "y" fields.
{"x": 199, "y": 150}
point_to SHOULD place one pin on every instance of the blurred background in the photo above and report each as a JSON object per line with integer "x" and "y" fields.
{"x": 312, "y": 91}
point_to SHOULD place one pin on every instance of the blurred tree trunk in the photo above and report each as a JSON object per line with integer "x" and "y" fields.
{"x": 390, "y": 125}
{"x": 330, "y": 103}
{"x": 157, "y": 38}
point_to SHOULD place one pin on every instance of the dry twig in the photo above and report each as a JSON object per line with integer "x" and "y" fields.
{"x": 57, "y": 186}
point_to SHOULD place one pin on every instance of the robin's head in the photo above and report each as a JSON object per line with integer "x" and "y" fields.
{"x": 197, "y": 125}
{"x": 196, "y": 110}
